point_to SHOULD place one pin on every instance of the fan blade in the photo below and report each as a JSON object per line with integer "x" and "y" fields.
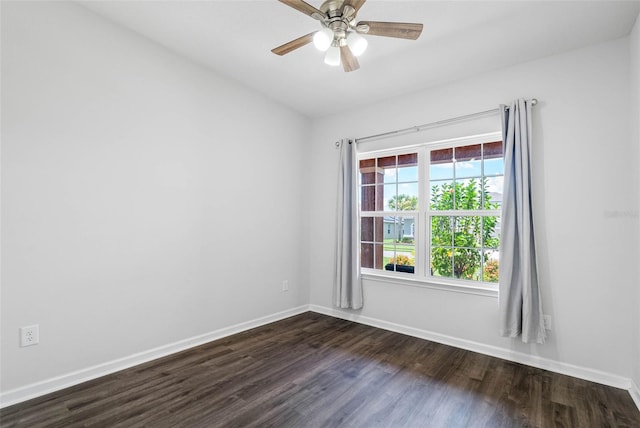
{"x": 305, "y": 8}
{"x": 401, "y": 30}
{"x": 349, "y": 60}
{"x": 355, "y": 4}
{"x": 293, "y": 44}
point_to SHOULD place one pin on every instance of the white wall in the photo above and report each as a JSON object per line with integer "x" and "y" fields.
{"x": 635, "y": 129}
{"x": 145, "y": 200}
{"x": 132, "y": 180}
{"x": 583, "y": 192}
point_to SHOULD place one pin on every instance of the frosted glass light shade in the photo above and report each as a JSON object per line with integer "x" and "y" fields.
{"x": 332, "y": 56}
{"x": 322, "y": 39}
{"x": 357, "y": 43}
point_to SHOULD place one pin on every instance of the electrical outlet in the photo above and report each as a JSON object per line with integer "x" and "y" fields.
{"x": 29, "y": 335}
{"x": 547, "y": 322}
{"x": 285, "y": 285}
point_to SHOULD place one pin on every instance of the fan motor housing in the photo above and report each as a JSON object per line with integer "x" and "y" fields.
{"x": 331, "y": 6}
{"x": 338, "y": 19}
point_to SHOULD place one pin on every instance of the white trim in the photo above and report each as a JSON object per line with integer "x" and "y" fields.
{"x": 585, "y": 373}
{"x": 57, "y": 383}
{"x": 38, "y": 389}
{"x": 439, "y": 284}
{"x": 433, "y": 144}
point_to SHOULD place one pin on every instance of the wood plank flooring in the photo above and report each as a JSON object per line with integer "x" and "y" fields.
{"x": 317, "y": 371}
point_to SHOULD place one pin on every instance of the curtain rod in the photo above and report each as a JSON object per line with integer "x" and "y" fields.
{"x": 432, "y": 124}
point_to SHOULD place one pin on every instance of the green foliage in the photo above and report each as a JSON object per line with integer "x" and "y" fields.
{"x": 457, "y": 241}
{"x": 403, "y": 203}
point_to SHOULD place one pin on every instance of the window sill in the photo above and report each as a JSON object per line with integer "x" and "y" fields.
{"x": 409, "y": 279}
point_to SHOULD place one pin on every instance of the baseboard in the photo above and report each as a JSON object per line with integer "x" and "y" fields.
{"x": 38, "y": 389}
{"x": 494, "y": 351}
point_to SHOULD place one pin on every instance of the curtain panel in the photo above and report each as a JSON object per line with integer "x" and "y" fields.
{"x": 347, "y": 282}
{"x": 520, "y": 303}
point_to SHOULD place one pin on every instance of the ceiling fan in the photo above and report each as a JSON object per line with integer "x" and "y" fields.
{"x": 340, "y": 35}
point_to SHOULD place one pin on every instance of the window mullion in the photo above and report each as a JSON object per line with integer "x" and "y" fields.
{"x": 422, "y": 237}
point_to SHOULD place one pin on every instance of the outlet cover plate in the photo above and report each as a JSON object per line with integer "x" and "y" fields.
{"x": 29, "y": 335}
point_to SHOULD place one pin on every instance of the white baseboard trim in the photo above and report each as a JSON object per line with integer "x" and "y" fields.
{"x": 38, "y": 389}
{"x": 47, "y": 386}
{"x": 585, "y": 373}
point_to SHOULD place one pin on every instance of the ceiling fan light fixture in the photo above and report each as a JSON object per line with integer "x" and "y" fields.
{"x": 357, "y": 43}
{"x": 332, "y": 56}
{"x": 322, "y": 39}
{"x": 340, "y": 34}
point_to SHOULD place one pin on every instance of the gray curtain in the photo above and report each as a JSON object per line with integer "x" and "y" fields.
{"x": 347, "y": 283}
{"x": 520, "y": 304}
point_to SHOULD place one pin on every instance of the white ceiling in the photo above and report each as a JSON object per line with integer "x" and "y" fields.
{"x": 460, "y": 39}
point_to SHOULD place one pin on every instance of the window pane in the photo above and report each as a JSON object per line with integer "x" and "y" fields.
{"x": 367, "y": 163}
{"x": 407, "y": 199}
{"x": 493, "y": 193}
{"x": 405, "y": 231}
{"x": 367, "y": 171}
{"x": 467, "y": 232}
{"x": 387, "y": 162}
{"x": 410, "y": 159}
{"x": 468, "y": 161}
{"x": 466, "y": 264}
{"x": 493, "y": 167}
{"x": 492, "y": 150}
{"x": 399, "y": 244}
{"x": 467, "y": 194}
{"x": 441, "y": 165}
{"x": 387, "y": 166}
{"x": 390, "y": 175}
{"x": 379, "y": 202}
{"x": 408, "y": 173}
{"x": 491, "y": 232}
{"x": 391, "y": 232}
{"x": 401, "y": 263}
{"x": 408, "y": 168}
{"x": 442, "y": 195}
{"x": 378, "y": 255}
{"x": 441, "y": 262}
{"x": 378, "y": 233}
{"x": 366, "y": 255}
{"x": 491, "y": 266}
{"x": 366, "y": 229}
{"x": 468, "y": 153}
{"x": 368, "y": 198}
{"x": 442, "y": 230}
{"x": 389, "y": 197}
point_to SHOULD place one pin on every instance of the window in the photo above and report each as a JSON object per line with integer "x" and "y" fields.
{"x": 433, "y": 213}
{"x": 389, "y": 203}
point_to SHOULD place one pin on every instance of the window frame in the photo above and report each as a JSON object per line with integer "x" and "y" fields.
{"x": 422, "y": 217}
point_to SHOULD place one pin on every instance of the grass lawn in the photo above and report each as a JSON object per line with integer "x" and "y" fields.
{"x": 400, "y": 247}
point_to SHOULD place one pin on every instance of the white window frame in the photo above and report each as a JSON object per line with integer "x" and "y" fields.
{"x": 422, "y": 241}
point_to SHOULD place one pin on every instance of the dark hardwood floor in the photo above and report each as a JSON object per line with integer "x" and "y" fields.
{"x": 313, "y": 370}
